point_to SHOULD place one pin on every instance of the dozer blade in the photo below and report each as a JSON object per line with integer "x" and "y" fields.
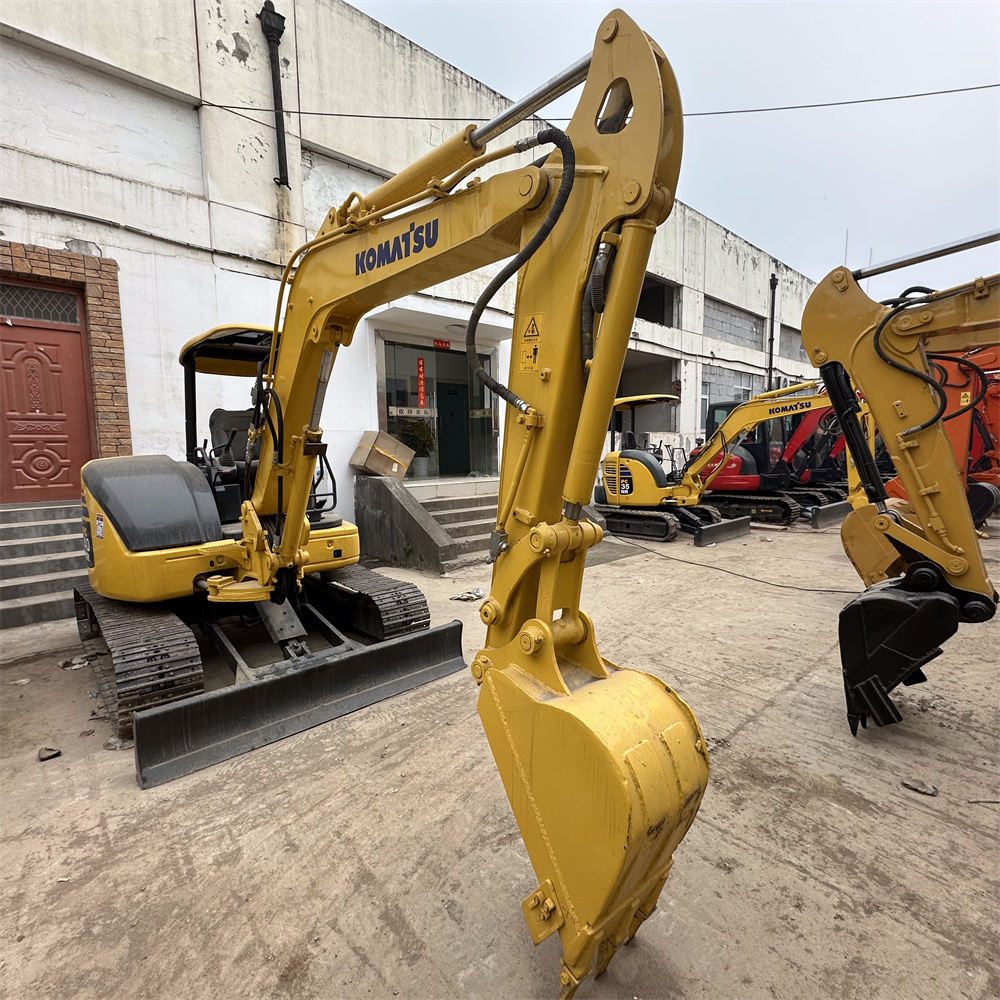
{"x": 831, "y": 513}
{"x": 604, "y": 782}
{"x": 176, "y": 739}
{"x": 722, "y": 531}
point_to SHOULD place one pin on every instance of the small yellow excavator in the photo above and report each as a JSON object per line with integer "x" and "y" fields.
{"x": 639, "y": 498}
{"x": 604, "y": 767}
{"x": 919, "y": 558}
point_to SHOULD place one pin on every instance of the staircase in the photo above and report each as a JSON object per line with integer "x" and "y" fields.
{"x": 41, "y": 560}
{"x": 469, "y": 521}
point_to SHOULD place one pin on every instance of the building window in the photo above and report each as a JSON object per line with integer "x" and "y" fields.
{"x": 743, "y": 386}
{"x": 706, "y": 392}
{"x": 657, "y": 301}
{"x": 45, "y": 304}
{"x": 733, "y": 325}
{"x": 790, "y": 344}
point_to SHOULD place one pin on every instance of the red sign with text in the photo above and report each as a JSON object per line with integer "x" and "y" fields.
{"x": 421, "y": 384}
{"x": 444, "y": 345}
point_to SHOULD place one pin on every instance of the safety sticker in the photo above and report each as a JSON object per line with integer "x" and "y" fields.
{"x": 966, "y": 398}
{"x": 100, "y": 525}
{"x": 530, "y": 338}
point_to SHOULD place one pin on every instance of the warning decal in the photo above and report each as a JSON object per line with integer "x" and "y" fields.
{"x": 531, "y": 335}
{"x": 966, "y": 399}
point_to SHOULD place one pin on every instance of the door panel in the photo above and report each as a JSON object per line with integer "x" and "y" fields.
{"x": 453, "y": 429}
{"x": 45, "y": 422}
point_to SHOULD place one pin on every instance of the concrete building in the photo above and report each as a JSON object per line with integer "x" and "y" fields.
{"x": 140, "y": 208}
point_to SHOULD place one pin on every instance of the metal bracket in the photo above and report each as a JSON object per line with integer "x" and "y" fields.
{"x": 498, "y": 544}
{"x": 542, "y": 912}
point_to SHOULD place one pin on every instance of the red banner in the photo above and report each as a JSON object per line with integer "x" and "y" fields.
{"x": 421, "y": 384}
{"x": 443, "y": 345}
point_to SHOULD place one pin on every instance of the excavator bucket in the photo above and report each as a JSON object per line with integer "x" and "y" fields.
{"x": 602, "y": 826}
{"x": 175, "y": 739}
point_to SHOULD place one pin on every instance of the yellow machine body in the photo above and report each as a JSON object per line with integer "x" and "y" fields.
{"x": 166, "y": 574}
{"x": 838, "y": 325}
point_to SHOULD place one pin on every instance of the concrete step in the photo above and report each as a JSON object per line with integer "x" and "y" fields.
{"x": 449, "y": 517}
{"x": 40, "y": 565}
{"x": 39, "y": 608}
{"x": 473, "y": 543}
{"x": 29, "y": 529}
{"x": 37, "y": 545}
{"x": 44, "y": 583}
{"x": 463, "y": 529}
{"x": 458, "y": 503}
{"x": 14, "y": 513}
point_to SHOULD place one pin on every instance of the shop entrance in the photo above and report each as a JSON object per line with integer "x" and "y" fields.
{"x": 436, "y": 407}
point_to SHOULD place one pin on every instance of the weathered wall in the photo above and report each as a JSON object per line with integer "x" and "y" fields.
{"x": 112, "y": 138}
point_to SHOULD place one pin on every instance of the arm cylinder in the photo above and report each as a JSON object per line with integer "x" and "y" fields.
{"x": 609, "y": 358}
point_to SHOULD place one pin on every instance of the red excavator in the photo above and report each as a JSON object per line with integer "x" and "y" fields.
{"x": 971, "y": 384}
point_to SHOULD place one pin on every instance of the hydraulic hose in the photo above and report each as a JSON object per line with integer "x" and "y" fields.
{"x": 942, "y": 399}
{"x": 969, "y": 366}
{"x": 565, "y": 146}
{"x": 595, "y": 298}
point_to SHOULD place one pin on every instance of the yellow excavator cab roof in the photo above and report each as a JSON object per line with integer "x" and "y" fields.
{"x": 627, "y": 402}
{"x": 232, "y": 349}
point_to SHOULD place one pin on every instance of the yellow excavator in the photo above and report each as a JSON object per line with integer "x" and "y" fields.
{"x": 640, "y": 499}
{"x": 919, "y": 558}
{"x": 605, "y": 767}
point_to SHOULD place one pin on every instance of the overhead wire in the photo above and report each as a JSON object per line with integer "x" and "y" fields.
{"x": 687, "y": 114}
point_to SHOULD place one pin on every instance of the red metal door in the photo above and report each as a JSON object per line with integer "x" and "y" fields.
{"x": 44, "y": 400}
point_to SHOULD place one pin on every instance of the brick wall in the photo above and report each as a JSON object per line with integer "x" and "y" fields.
{"x": 737, "y": 326}
{"x": 97, "y": 279}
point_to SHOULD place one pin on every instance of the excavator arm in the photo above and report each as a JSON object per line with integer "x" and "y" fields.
{"x": 922, "y": 565}
{"x": 604, "y": 767}
{"x": 711, "y": 458}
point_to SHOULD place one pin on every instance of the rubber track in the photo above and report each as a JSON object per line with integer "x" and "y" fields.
{"x": 807, "y": 496}
{"x": 142, "y": 655}
{"x": 378, "y": 605}
{"x": 656, "y": 525}
{"x": 738, "y": 505}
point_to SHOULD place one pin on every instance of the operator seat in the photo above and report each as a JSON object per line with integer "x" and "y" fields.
{"x": 232, "y": 461}
{"x": 628, "y": 441}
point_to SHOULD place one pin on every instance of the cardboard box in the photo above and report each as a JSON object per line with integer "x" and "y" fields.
{"x": 380, "y": 454}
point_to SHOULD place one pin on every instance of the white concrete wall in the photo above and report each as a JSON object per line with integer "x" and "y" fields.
{"x": 110, "y": 138}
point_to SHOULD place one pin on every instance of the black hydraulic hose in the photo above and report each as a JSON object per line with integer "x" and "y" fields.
{"x": 595, "y": 299}
{"x": 980, "y": 375}
{"x": 928, "y": 379}
{"x": 565, "y": 146}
